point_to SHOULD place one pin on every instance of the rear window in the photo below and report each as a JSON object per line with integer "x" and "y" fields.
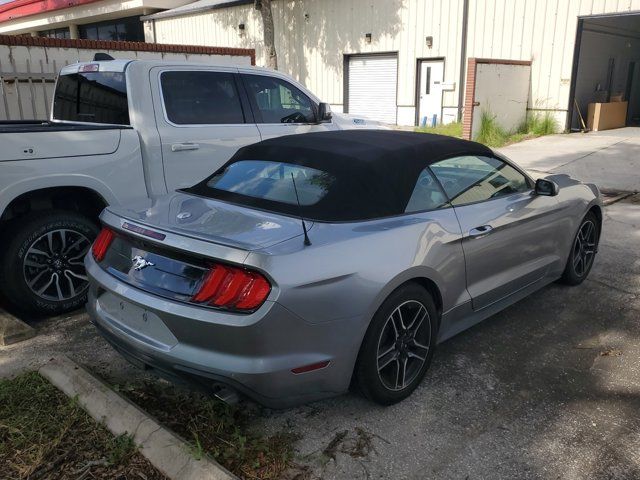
{"x": 96, "y": 97}
{"x": 341, "y": 194}
{"x": 273, "y": 181}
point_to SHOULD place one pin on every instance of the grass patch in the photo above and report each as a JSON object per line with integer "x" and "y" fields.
{"x": 540, "y": 124}
{"x": 45, "y": 435}
{"x": 214, "y": 428}
{"x": 493, "y": 135}
{"x": 490, "y": 132}
{"x": 450, "y": 129}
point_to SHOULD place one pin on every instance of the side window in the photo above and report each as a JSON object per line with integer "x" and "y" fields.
{"x": 473, "y": 179}
{"x": 427, "y": 194}
{"x": 200, "y": 98}
{"x": 278, "y": 101}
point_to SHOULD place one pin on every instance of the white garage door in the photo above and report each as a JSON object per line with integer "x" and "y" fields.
{"x": 372, "y": 87}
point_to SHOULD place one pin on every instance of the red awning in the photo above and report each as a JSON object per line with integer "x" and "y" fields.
{"x": 26, "y": 8}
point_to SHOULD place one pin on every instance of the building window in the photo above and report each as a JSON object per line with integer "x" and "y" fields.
{"x": 55, "y": 33}
{"x": 128, "y": 29}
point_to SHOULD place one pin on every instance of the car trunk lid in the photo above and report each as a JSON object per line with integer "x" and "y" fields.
{"x": 215, "y": 221}
{"x": 171, "y": 247}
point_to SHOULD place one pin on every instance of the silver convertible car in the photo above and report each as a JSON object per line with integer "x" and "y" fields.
{"x": 313, "y": 262}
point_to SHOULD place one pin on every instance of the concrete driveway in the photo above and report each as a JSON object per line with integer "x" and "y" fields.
{"x": 610, "y": 159}
{"x": 549, "y": 388}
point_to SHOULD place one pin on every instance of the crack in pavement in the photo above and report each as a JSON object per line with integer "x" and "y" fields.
{"x": 613, "y": 287}
{"x": 592, "y": 152}
{"x": 150, "y": 434}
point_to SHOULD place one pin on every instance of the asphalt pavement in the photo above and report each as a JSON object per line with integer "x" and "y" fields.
{"x": 549, "y": 388}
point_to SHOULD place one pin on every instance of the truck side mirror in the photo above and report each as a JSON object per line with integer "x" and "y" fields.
{"x": 324, "y": 113}
{"x": 546, "y": 187}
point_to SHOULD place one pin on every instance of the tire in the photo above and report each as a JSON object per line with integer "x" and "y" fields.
{"x": 387, "y": 350}
{"x": 42, "y": 268}
{"x": 583, "y": 251}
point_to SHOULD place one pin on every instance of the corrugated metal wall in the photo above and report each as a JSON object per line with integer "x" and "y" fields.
{"x": 313, "y": 35}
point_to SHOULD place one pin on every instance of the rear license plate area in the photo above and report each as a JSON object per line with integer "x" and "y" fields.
{"x": 135, "y": 321}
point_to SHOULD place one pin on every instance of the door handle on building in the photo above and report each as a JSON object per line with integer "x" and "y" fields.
{"x": 480, "y": 232}
{"x": 183, "y": 147}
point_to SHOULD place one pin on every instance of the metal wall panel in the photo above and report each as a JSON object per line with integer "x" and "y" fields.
{"x": 312, "y": 37}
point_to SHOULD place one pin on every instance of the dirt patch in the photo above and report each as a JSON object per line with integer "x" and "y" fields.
{"x": 221, "y": 431}
{"x": 45, "y": 435}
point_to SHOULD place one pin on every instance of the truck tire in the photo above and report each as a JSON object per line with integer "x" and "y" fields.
{"x": 42, "y": 269}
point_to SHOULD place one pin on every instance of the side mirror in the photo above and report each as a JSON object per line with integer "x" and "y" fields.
{"x": 324, "y": 113}
{"x": 546, "y": 187}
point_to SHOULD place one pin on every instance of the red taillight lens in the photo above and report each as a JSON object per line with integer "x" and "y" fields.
{"x": 211, "y": 284}
{"x": 101, "y": 244}
{"x": 254, "y": 294}
{"x": 233, "y": 288}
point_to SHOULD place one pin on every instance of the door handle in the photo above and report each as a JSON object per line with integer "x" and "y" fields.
{"x": 183, "y": 147}
{"x": 480, "y": 232}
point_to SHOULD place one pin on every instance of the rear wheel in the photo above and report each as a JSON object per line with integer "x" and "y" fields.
{"x": 583, "y": 251}
{"x": 398, "y": 346}
{"x": 43, "y": 262}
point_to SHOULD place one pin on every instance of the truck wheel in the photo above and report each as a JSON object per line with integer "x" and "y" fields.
{"x": 42, "y": 270}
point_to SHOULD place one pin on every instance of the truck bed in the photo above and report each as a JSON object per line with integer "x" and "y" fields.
{"x": 25, "y": 126}
{"x": 37, "y": 140}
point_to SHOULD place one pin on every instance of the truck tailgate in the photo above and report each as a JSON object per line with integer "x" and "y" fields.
{"x": 58, "y": 143}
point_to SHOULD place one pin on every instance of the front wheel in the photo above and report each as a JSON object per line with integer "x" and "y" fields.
{"x": 583, "y": 251}
{"x": 43, "y": 262}
{"x": 398, "y": 346}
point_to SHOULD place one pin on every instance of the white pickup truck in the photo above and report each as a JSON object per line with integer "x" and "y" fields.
{"x": 121, "y": 131}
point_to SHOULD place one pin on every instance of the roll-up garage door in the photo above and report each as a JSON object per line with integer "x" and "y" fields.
{"x": 372, "y": 85}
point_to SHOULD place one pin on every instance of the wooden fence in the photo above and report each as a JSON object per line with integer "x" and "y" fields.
{"x": 29, "y": 66}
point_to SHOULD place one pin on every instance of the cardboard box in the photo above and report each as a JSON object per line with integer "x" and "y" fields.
{"x": 605, "y": 116}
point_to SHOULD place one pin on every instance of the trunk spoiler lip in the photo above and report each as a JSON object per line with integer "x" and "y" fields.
{"x": 176, "y": 241}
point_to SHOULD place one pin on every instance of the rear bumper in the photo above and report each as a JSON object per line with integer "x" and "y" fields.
{"x": 252, "y": 353}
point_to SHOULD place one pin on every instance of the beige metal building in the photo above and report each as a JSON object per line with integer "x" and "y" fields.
{"x": 404, "y": 60}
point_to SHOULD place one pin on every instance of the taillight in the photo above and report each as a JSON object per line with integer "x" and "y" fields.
{"x": 233, "y": 288}
{"x": 101, "y": 244}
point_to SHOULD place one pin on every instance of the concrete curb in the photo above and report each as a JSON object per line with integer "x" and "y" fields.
{"x": 13, "y": 330}
{"x": 165, "y": 450}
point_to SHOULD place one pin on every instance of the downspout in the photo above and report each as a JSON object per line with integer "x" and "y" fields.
{"x": 463, "y": 57}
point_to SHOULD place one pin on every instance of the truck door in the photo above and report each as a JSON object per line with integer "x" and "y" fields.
{"x": 281, "y": 108}
{"x": 202, "y": 120}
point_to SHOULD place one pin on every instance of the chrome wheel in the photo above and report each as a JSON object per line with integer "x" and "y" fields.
{"x": 403, "y": 345}
{"x": 584, "y": 248}
{"x": 53, "y": 266}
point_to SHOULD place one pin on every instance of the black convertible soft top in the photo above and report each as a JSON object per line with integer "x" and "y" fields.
{"x": 375, "y": 170}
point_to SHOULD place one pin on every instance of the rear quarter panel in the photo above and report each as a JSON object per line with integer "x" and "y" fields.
{"x": 349, "y": 269}
{"x": 116, "y": 174}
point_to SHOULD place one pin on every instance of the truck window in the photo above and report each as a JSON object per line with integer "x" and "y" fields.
{"x": 96, "y": 97}
{"x": 278, "y": 101}
{"x": 201, "y": 98}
